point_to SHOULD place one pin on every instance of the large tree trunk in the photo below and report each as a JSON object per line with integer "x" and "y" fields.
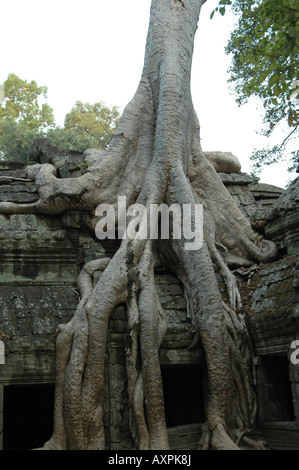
{"x": 155, "y": 157}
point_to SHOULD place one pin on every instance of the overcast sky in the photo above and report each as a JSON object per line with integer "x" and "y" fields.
{"x": 93, "y": 50}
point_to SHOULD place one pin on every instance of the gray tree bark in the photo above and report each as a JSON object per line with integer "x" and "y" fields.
{"x": 155, "y": 157}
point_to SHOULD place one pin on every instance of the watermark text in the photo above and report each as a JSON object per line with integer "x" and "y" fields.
{"x": 294, "y": 358}
{"x": 158, "y": 221}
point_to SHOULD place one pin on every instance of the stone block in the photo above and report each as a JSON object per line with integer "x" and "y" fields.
{"x": 116, "y": 421}
{"x": 43, "y": 325}
{"x": 116, "y": 356}
{"x": 176, "y": 289}
{"x": 296, "y": 409}
{"x": 268, "y": 303}
{"x": 165, "y": 279}
{"x": 294, "y": 372}
{"x": 295, "y": 390}
{"x": 20, "y": 198}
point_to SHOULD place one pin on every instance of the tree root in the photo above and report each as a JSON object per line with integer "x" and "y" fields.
{"x": 155, "y": 157}
{"x": 218, "y": 439}
{"x": 146, "y": 326}
{"x": 129, "y": 277}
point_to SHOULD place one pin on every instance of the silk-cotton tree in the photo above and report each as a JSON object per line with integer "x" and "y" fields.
{"x": 155, "y": 157}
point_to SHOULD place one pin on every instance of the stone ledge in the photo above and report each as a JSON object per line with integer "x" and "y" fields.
{"x": 184, "y": 437}
{"x": 281, "y": 435}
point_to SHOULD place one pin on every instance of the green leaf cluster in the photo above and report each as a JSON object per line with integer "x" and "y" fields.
{"x": 264, "y": 49}
{"x": 22, "y": 104}
{"x": 221, "y": 7}
{"x": 23, "y": 119}
{"x": 87, "y": 126}
{"x": 23, "y": 116}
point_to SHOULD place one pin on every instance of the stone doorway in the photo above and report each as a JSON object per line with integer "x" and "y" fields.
{"x": 27, "y": 416}
{"x": 183, "y": 387}
{"x": 274, "y": 390}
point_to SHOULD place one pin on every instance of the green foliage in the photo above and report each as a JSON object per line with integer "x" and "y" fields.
{"x": 22, "y": 105}
{"x": 268, "y": 156}
{"x": 15, "y": 140}
{"x": 221, "y": 7}
{"x": 69, "y": 141}
{"x": 23, "y": 119}
{"x": 86, "y": 126}
{"x": 265, "y": 62}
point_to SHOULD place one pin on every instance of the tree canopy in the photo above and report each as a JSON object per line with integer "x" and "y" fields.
{"x": 22, "y": 106}
{"x": 24, "y": 118}
{"x": 86, "y": 126}
{"x": 265, "y": 62}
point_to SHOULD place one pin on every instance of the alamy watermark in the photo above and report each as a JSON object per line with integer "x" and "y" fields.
{"x": 294, "y": 358}
{"x": 139, "y": 222}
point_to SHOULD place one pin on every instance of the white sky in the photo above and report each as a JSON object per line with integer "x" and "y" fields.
{"x": 93, "y": 51}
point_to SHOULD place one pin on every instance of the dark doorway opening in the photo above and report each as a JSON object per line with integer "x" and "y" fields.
{"x": 183, "y": 394}
{"x": 275, "y": 394}
{"x": 27, "y": 416}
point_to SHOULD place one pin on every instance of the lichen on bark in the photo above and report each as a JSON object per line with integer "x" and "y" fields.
{"x": 155, "y": 157}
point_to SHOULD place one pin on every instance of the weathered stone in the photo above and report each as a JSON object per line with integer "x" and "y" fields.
{"x": 1, "y": 415}
{"x": 42, "y": 151}
{"x": 262, "y": 190}
{"x": 237, "y": 178}
{"x": 224, "y": 162}
{"x": 283, "y": 220}
{"x": 40, "y": 260}
{"x": 20, "y": 198}
{"x": 294, "y": 372}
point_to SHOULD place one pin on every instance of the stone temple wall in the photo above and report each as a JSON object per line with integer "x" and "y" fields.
{"x": 41, "y": 257}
